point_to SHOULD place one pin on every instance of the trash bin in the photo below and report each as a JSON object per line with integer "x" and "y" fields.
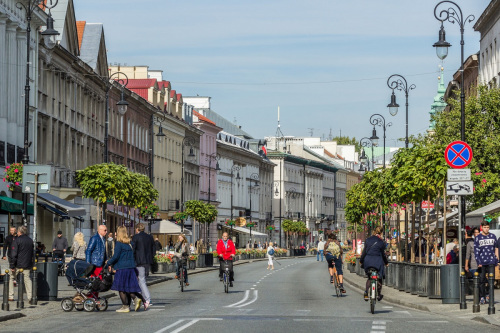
{"x": 450, "y": 284}
{"x": 47, "y": 281}
{"x": 209, "y": 260}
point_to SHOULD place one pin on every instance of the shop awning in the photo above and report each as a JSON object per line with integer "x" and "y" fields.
{"x": 54, "y": 210}
{"x": 13, "y": 206}
{"x": 68, "y": 208}
{"x": 247, "y": 231}
{"x": 167, "y": 227}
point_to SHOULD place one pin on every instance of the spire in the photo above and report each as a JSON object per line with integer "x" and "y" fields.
{"x": 439, "y": 103}
{"x": 279, "y": 135}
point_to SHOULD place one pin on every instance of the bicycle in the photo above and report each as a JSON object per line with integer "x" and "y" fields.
{"x": 182, "y": 273}
{"x": 226, "y": 276}
{"x": 372, "y": 293}
{"x": 336, "y": 283}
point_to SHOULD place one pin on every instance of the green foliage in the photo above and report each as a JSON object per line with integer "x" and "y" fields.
{"x": 345, "y": 140}
{"x": 201, "y": 211}
{"x": 13, "y": 174}
{"x": 150, "y": 210}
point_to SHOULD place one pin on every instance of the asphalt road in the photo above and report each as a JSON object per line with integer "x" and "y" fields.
{"x": 295, "y": 297}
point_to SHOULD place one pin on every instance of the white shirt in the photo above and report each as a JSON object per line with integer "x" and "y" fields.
{"x": 321, "y": 246}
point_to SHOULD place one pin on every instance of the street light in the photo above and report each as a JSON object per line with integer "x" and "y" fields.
{"x": 187, "y": 141}
{"x": 255, "y": 178}
{"x": 366, "y": 143}
{"x": 213, "y": 157}
{"x": 122, "y": 109}
{"x": 454, "y": 15}
{"x": 291, "y": 194}
{"x": 49, "y": 36}
{"x": 277, "y": 184}
{"x": 234, "y": 168}
{"x": 401, "y": 84}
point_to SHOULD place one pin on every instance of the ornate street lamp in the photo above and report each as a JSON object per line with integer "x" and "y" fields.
{"x": 187, "y": 141}
{"x": 254, "y": 177}
{"x": 277, "y": 185}
{"x": 399, "y": 82}
{"x": 122, "y": 108}
{"x": 366, "y": 143}
{"x": 234, "y": 168}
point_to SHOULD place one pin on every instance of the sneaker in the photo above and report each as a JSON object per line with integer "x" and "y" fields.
{"x": 342, "y": 289}
{"x": 137, "y": 304}
{"x": 482, "y": 301}
{"x": 220, "y": 279}
{"x": 176, "y": 277}
{"x": 124, "y": 309}
{"x": 231, "y": 283}
{"x": 187, "y": 284}
{"x": 379, "y": 297}
{"x": 331, "y": 279}
{"x": 366, "y": 296}
{"x": 147, "y": 304}
{"x": 487, "y": 299}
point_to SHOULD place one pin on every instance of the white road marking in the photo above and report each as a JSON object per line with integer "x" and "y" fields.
{"x": 256, "y": 296}
{"x": 378, "y": 327}
{"x": 254, "y": 285}
{"x": 252, "y": 288}
{"x": 379, "y": 322}
{"x": 429, "y": 321}
{"x": 194, "y": 321}
{"x": 247, "y": 293}
{"x": 405, "y": 312}
{"x": 170, "y": 326}
{"x": 387, "y": 307}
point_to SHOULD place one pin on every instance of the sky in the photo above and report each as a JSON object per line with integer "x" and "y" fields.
{"x": 325, "y": 63}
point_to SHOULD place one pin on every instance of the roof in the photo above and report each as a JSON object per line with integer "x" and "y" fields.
{"x": 91, "y": 41}
{"x": 164, "y": 84}
{"x": 141, "y": 83}
{"x": 488, "y": 209}
{"x": 222, "y": 122}
{"x": 327, "y": 153}
{"x": 202, "y": 118}
{"x": 80, "y": 27}
{"x": 173, "y": 94}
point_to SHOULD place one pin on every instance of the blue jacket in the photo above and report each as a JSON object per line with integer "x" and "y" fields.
{"x": 96, "y": 251}
{"x": 123, "y": 257}
{"x": 373, "y": 255}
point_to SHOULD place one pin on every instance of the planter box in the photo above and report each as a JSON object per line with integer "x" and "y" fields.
{"x": 171, "y": 267}
{"x": 162, "y": 268}
{"x": 216, "y": 261}
{"x": 192, "y": 264}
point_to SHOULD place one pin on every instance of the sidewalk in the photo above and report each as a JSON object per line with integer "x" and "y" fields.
{"x": 430, "y": 305}
{"x": 46, "y": 308}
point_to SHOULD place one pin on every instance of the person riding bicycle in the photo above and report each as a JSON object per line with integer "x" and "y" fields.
{"x": 181, "y": 254}
{"x": 373, "y": 256}
{"x": 333, "y": 255}
{"x": 226, "y": 250}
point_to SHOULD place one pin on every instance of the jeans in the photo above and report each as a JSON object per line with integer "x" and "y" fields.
{"x": 483, "y": 278}
{"x": 178, "y": 269}
{"x": 27, "y": 283}
{"x": 142, "y": 282}
{"x": 320, "y": 252}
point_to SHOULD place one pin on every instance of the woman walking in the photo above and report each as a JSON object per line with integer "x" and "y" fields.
{"x": 125, "y": 281}
{"x": 270, "y": 256}
{"x": 180, "y": 256}
{"x": 79, "y": 246}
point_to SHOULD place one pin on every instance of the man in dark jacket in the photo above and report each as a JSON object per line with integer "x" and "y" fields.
{"x": 144, "y": 250}
{"x": 374, "y": 256}
{"x": 21, "y": 257}
{"x": 96, "y": 250}
{"x": 158, "y": 245}
{"x": 7, "y": 245}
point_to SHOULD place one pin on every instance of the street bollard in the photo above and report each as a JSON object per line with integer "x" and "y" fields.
{"x": 491, "y": 283}
{"x": 463, "y": 303}
{"x": 5, "y": 302}
{"x": 475, "y": 283}
{"x": 20, "y": 289}
{"x": 34, "y": 288}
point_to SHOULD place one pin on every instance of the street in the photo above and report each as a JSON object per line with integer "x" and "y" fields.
{"x": 295, "y": 297}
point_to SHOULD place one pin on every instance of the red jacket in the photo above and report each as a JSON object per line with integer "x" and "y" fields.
{"x": 222, "y": 251}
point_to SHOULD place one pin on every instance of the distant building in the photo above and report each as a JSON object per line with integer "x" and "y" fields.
{"x": 488, "y": 26}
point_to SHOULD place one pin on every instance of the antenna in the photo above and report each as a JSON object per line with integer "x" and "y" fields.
{"x": 330, "y": 136}
{"x": 279, "y": 133}
{"x": 311, "y": 131}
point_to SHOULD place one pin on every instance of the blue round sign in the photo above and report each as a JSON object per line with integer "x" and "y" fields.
{"x": 458, "y": 154}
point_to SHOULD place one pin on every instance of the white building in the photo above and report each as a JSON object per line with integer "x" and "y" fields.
{"x": 489, "y": 54}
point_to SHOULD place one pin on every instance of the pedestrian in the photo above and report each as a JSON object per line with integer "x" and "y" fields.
{"x": 110, "y": 245}
{"x": 59, "y": 246}
{"x": 255, "y": 244}
{"x": 470, "y": 258}
{"x": 270, "y": 256}
{"x": 260, "y": 246}
{"x": 7, "y": 245}
{"x": 486, "y": 252}
{"x": 450, "y": 246}
{"x": 452, "y": 258}
{"x": 79, "y": 246}
{"x": 21, "y": 258}
{"x": 393, "y": 249}
{"x": 321, "y": 248}
{"x": 181, "y": 256}
{"x": 96, "y": 251}
{"x": 125, "y": 281}
{"x": 248, "y": 246}
{"x": 191, "y": 248}
{"x": 144, "y": 250}
{"x": 158, "y": 246}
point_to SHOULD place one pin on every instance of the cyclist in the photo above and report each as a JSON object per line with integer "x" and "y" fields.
{"x": 181, "y": 253}
{"x": 373, "y": 256}
{"x": 226, "y": 250}
{"x": 333, "y": 255}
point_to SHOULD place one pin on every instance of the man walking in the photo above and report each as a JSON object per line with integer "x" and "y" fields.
{"x": 96, "y": 250}
{"x": 59, "y": 246}
{"x": 144, "y": 250}
{"x": 7, "y": 245}
{"x": 321, "y": 248}
{"x": 22, "y": 257}
{"x": 486, "y": 252}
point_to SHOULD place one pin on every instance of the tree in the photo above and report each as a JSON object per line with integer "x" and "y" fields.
{"x": 345, "y": 140}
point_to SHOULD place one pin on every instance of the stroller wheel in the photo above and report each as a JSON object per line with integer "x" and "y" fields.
{"x": 67, "y": 304}
{"x": 89, "y": 305}
{"x": 101, "y": 304}
{"x": 78, "y": 302}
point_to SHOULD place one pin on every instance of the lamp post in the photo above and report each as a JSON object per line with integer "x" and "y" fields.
{"x": 277, "y": 184}
{"x": 454, "y": 15}
{"x": 254, "y": 177}
{"x": 187, "y": 141}
{"x": 234, "y": 168}
{"x": 122, "y": 109}
{"x": 292, "y": 192}
{"x": 49, "y": 35}
{"x": 366, "y": 143}
{"x": 379, "y": 120}
{"x": 213, "y": 157}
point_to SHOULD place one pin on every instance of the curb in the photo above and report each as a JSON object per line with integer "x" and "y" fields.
{"x": 11, "y": 316}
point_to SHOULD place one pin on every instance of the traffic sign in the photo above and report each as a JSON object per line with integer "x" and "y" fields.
{"x": 458, "y": 154}
{"x": 456, "y": 175}
{"x": 427, "y": 205}
{"x": 460, "y": 188}
{"x": 44, "y": 176}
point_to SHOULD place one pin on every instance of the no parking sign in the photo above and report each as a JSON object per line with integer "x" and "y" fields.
{"x": 458, "y": 154}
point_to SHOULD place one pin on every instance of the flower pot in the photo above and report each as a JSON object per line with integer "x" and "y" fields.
{"x": 216, "y": 260}
{"x": 171, "y": 267}
{"x": 162, "y": 268}
{"x": 192, "y": 264}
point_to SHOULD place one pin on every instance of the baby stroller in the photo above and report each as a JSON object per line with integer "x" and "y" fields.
{"x": 78, "y": 275}
{"x": 58, "y": 256}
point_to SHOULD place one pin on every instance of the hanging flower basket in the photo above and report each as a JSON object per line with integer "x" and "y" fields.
{"x": 179, "y": 217}
{"x": 271, "y": 227}
{"x": 250, "y": 224}
{"x": 320, "y": 231}
{"x": 230, "y": 222}
{"x": 13, "y": 174}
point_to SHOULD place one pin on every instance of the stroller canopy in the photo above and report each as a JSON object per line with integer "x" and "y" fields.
{"x": 78, "y": 269}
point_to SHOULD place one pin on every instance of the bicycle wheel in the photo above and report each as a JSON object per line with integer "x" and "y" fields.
{"x": 372, "y": 306}
{"x": 67, "y": 304}
{"x": 226, "y": 283}
{"x": 337, "y": 286}
{"x": 101, "y": 304}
